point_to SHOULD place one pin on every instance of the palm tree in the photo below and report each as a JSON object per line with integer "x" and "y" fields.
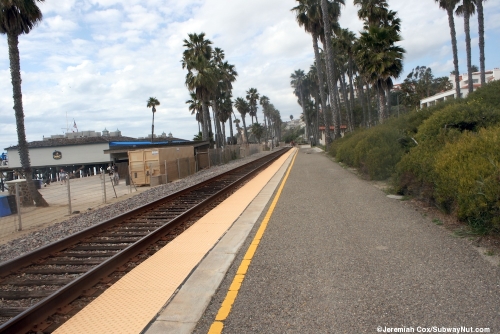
{"x": 152, "y": 103}
{"x": 264, "y": 102}
{"x": 308, "y": 15}
{"x": 298, "y": 83}
{"x": 480, "y": 19}
{"x": 331, "y": 9}
{"x": 252, "y": 98}
{"x": 314, "y": 91}
{"x": 202, "y": 80}
{"x": 380, "y": 60}
{"x": 225, "y": 112}
{"x": 341, "y": 64}
{"x": 347, "y": 39}
{"x": 243, "y": 108}
{"x": 195, "y": 108}
{"x": 19, "y": 17}
{"x": 377, "y": 56}
{"x": 198, "y": 136}
{"x": 467, "y": 9}
{"x": 449, "y": 6}
{"x": 226, "y": 75}
{"x": 257, "y": 131}
{"x": 196, "y": 46}
{"x": 372, "y": 10}
{"x": 202, "y": 76}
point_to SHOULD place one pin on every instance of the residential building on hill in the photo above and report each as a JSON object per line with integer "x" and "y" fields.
{"x": 491, "y": 75}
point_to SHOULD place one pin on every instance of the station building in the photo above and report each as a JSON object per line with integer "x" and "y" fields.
{"x": 82, "y": 153}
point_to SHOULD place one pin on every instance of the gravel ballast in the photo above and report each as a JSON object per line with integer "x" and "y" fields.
{"x": 50, "y": 234}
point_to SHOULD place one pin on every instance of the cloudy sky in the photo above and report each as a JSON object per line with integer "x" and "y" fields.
{"x": 98, "y": 61}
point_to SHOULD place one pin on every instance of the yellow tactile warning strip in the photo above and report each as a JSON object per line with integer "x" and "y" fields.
{"x": 225, "y": 308}
{"x": 130, "y": 304}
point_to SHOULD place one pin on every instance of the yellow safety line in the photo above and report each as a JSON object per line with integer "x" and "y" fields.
{"x": 225, "y": 308}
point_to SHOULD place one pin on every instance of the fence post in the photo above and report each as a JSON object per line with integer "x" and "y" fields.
{"x": 103, "y": 175}
{"x": 18, "y": 204}
{"x": 129, "y": 180}
{"x": 69, "y": 194}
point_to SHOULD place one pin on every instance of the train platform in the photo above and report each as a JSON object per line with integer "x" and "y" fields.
{"x": 335, "y": 254}
{"x": 305, "y": 247}
{"x": 189, "y": 263}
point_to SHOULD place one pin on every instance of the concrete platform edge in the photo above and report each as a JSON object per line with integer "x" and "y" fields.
{"x": 182, "y": 312}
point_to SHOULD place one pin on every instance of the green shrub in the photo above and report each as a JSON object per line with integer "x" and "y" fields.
{"x": 415, "y": 173}
{"x": 345, "y": 147}
{"x": 468, "y": 177}
{"x": 465, "y": 116}
{"x": 488, "y": 94}
{"x": 377, "y": 153}
{"x": 373, "y": 151}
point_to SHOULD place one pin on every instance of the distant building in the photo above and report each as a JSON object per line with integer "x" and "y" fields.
{"x": 294, "y": 123}
{"x": 464, "y": 87}
{"x": 322, "y": 139}
{"x": 86, "y": 149}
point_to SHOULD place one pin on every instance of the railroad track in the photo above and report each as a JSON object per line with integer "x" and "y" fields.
{"x": 43, "y": 283}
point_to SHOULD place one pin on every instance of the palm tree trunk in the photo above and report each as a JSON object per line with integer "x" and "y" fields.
{"x": 468, "y": 49}
{"x": 361, "y": 94}
{"x": 224, "y": 134}
{"x": 245, "y": 129}
{"x": 304, "y": 112}
{"x": 220, "y": 139}
{"x": 206, "y": 120}
{"x": 480, "y": 20}
{"x": 346, "y": 102}
{"x": 266, "y": 127}
{"x": 231, "y": 127}
{"x": 453, "y": 34}
{"x": 351, "y": 80}
{"x": 388, "y": 97}
{"x": 316, "y": 122}
{"x": 336, "y": 98}
{"x": 330, "y": 71}
{"x": 15, "y": 72}
{"x": 369, "y": 104}
{"x": 381, "y": 104}
{"x": 319, "y": 66}
{"x": 215, "y": 133}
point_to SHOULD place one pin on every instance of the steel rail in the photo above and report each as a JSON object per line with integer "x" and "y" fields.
{"x": 31, "y": 317}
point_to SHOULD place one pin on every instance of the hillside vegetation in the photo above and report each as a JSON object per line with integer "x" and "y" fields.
{"x": 448, "y": 155}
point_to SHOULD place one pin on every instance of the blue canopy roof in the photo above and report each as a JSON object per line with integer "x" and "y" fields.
{"x": 145, "y": 143}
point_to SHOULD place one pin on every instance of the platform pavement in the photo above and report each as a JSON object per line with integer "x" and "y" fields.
{"x": 339, "y": 256}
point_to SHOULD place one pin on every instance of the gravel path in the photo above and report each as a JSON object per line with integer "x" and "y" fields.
{"x": 39, "y": 238}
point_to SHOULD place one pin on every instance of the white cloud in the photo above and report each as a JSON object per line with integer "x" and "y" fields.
{"x": 100, "y": 60}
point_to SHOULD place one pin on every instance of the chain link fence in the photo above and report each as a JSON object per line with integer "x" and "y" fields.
{"x": 76, "y": 195}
